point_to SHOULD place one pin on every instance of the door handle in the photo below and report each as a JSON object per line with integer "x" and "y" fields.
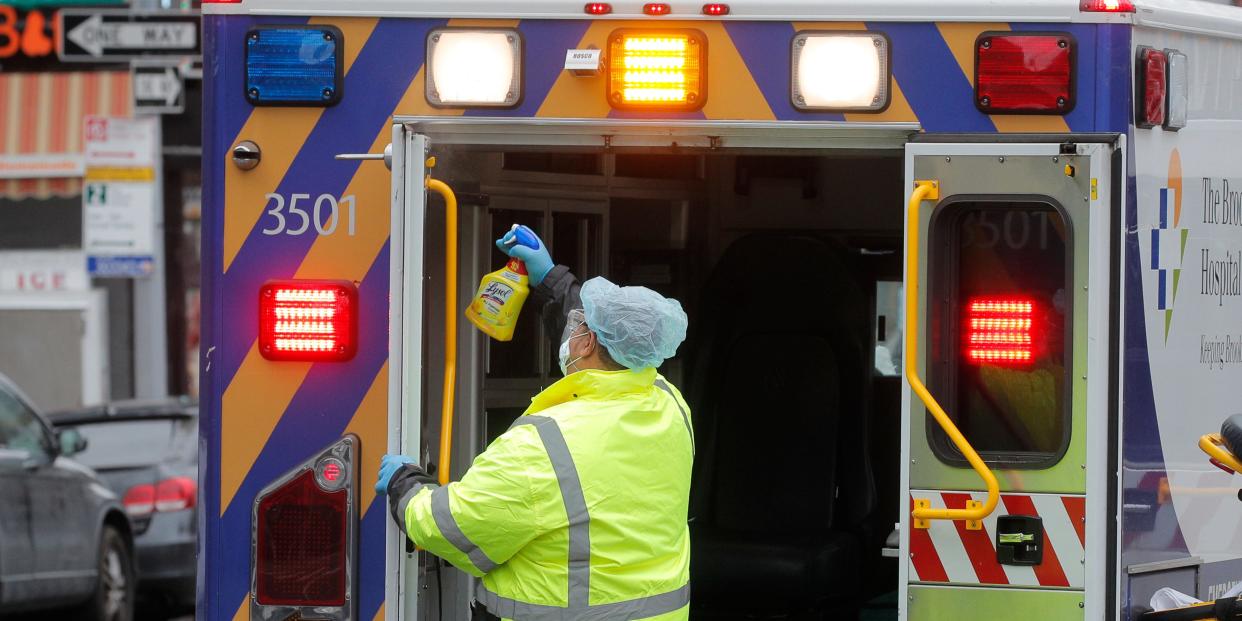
{"x": 386, "y": 156}
{"x": 923, "y": 513}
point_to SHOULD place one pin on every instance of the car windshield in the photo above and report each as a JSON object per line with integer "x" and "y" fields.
{"x": 112, "y": 444}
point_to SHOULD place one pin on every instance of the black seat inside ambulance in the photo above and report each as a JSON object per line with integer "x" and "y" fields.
{"x": 782, "y": 486}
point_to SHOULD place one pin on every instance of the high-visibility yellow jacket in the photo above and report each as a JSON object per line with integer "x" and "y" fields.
{"x": 579, "y": 510}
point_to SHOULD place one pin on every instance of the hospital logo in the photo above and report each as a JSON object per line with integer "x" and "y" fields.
{"x": 1168, "y": 242}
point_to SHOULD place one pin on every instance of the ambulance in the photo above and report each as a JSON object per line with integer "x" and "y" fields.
{"x": 964, "y": 280}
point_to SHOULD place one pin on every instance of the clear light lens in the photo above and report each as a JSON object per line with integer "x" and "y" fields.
{"x": 474, "y": 68}
{"x": 840, "y": 71}
{"x": 1179, "y": 90}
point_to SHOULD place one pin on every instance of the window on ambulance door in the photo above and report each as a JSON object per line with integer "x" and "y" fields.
{"x": 1000, "y": 328}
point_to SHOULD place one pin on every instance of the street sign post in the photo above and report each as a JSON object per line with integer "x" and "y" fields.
{"x": 106, "y": 35}
{"x": 156, "y": 87}
{"x": 120, "y": 202}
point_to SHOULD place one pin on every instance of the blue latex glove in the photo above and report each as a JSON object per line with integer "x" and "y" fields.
{"x": 522, "y": 244}
{"x": 389, "y": 465}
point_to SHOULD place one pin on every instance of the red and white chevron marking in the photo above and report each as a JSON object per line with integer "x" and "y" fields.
{"x": 947, "y": 552}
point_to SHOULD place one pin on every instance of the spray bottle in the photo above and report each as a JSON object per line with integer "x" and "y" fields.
{"x": 501, "y": 294}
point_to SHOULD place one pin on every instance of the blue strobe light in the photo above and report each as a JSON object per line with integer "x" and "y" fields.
{"x": 294, "y": 66}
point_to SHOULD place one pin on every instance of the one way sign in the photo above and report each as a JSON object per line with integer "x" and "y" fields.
{"x": 157, "y": 87}
{"x": 95, "y": 35}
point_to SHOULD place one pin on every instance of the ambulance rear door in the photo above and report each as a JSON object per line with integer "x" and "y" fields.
{"x": 1010, "y": 286}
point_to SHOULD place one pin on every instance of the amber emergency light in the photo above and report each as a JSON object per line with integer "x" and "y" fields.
{"x": 657, "y": 70}
{"x": 308, "y": 320}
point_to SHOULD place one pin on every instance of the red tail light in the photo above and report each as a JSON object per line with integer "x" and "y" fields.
{"x": 998, "y": 331}
{"x": 1108, "y": 6}
{"x": 715, "y": 9}
{"x": 305, "y": 537}
{"x": 139, "y": 500}
{"x": 308, "y": 320}
{"x": 598, "y": 8}
{"x": 175, "y": 494}
{"x": 1019, "y": 73}
{"x": 657, "y": 8}
{"x": 1152, "y": 87}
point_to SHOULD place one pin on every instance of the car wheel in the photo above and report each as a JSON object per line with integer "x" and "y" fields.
{"x": 113, "y": 599}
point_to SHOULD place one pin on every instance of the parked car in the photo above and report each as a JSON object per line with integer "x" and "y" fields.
{"x": 147, "y": 452}
{"x": 64, "y": 535}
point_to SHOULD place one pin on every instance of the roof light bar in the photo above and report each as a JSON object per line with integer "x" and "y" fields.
{"x": 1108, "y": 6}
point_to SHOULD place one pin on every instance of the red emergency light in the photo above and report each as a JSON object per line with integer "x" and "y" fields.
{"x": 1024, "y": 73}
{"x": 657, "y": 9}
{"x": 715, "y": 9}
{"x": 1152, "y": 84}
{"x": 598, "y": 8}
{"x": 1108, "y": 6}
{"x": 308, "y": 320}
{"x": 999, "y": 330}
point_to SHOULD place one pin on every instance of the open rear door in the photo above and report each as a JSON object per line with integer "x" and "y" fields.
{"x": 405, "y": 348}
{"x": 1008, "y": 293}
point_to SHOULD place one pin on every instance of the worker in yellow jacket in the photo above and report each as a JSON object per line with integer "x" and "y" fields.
{"x": 579, "y": 510}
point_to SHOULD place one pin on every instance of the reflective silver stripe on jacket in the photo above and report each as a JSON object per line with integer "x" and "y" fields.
{"x": 641, "y": 608}
{"x": 575, "y": 506}
{"x": 443, "y": 516}
{"x": 685, "y": 418}
{"x": 404, "y": 503}
{"x": 579, "y": 552}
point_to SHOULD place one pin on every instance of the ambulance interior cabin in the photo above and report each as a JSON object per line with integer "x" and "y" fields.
{"x": 788, "y": 264}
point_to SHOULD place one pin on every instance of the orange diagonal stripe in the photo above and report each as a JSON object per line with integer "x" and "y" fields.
{"x": 249, "y": 410}
{"x": 260, "y": 391}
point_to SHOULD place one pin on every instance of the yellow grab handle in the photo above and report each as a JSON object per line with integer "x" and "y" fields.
{"x": 450, "y": 324}
{"x": 1214, "y": 446}
{"x": 923, "y": 511}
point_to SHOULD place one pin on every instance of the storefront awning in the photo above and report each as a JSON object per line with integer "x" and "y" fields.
{"x": 41, "y": 127}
